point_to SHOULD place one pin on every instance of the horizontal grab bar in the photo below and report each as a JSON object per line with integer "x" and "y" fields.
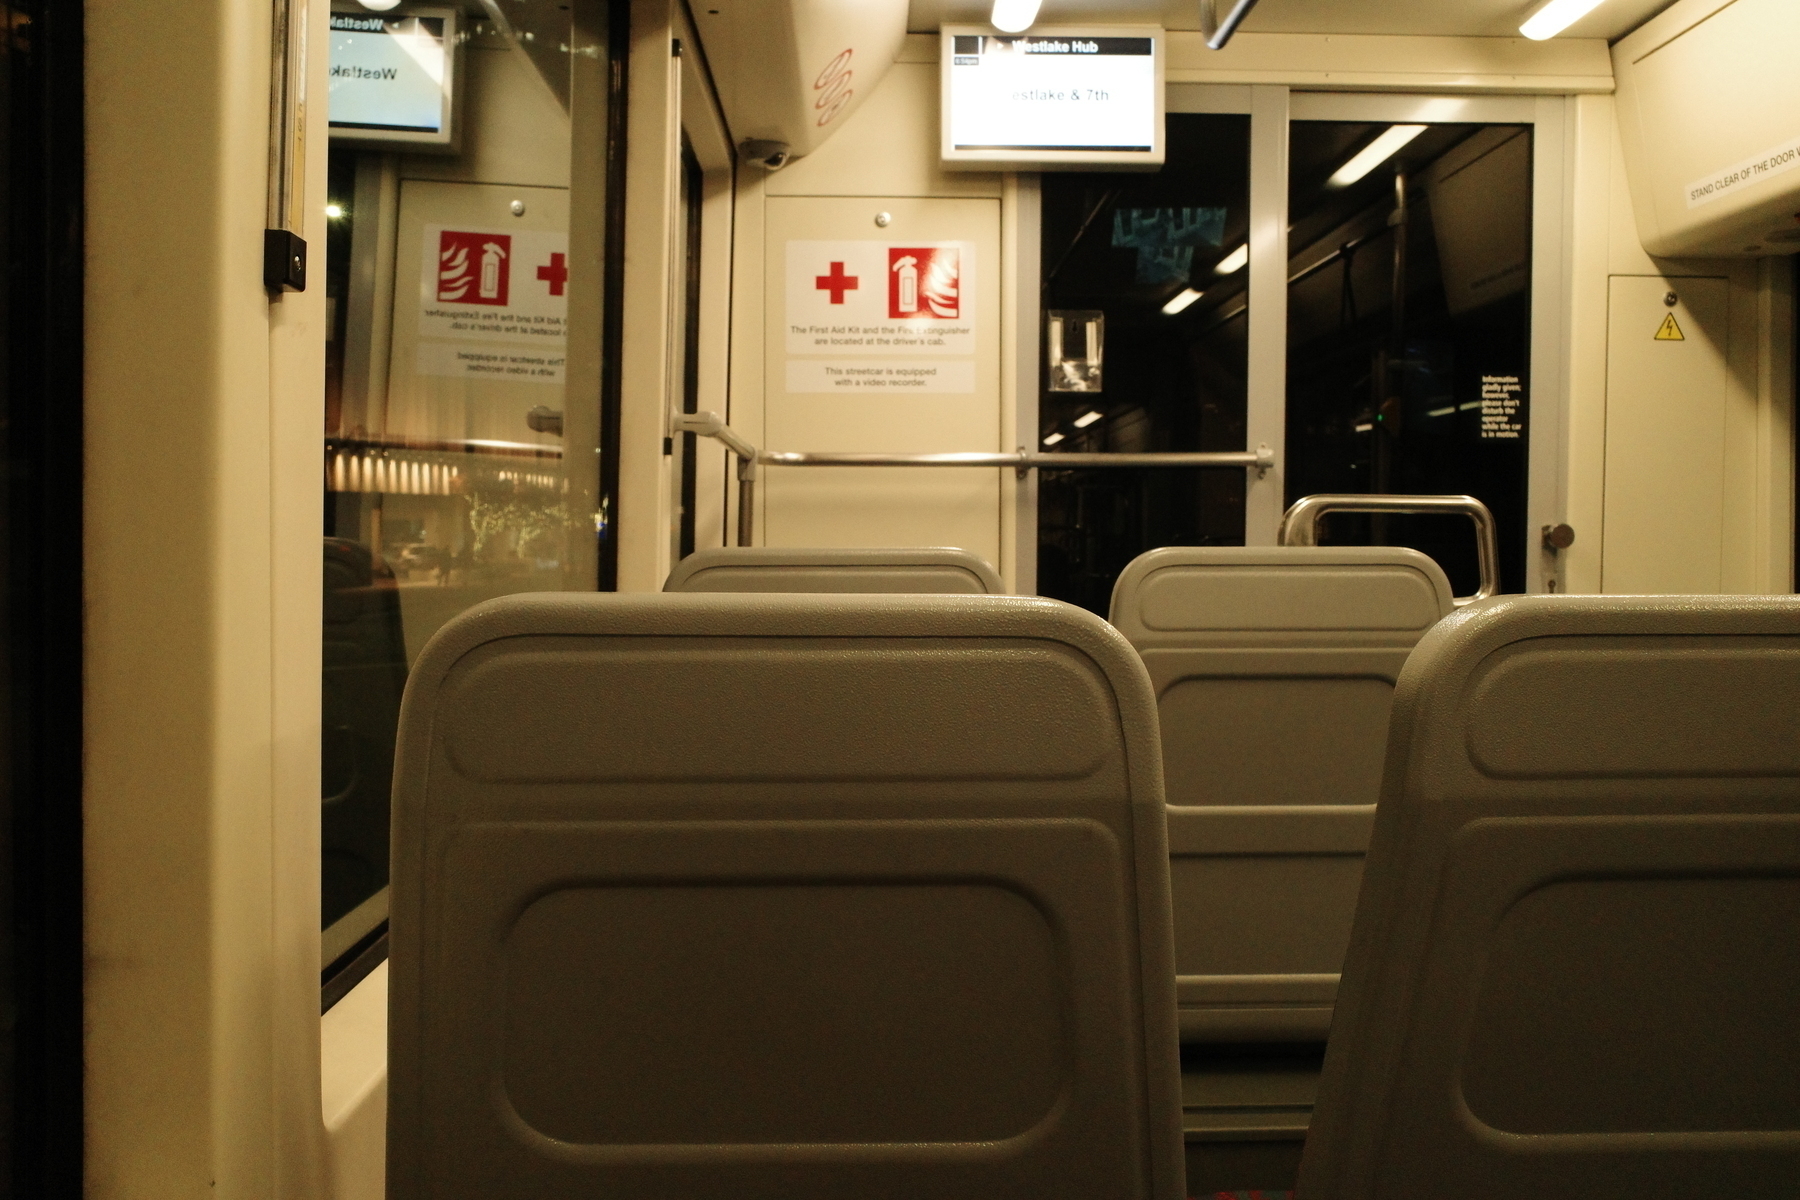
{"x": 1300, "y": 526}
{"x": 1261, "y": 458}
{"x": 712, "y": 425}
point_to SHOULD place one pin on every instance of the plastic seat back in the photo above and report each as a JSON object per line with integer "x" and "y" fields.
{"x": 936, "y": 569}
{"x": 1575, "y": 969}
{"x": 1274, "y": 669}
{"x": 780, "y": 896}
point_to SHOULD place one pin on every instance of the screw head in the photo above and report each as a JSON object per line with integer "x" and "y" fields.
{"x": 884, "y": 219}
{"x": 1670, "y": 299}
{"x": 518, "y": 208}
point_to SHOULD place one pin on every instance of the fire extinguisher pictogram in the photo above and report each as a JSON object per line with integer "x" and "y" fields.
{"x": 906, "y": 300}
{"x": 924, "y": 282}
{"x": 472, "y": 267}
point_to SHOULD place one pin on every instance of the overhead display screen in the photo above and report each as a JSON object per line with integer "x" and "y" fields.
{"x": 391, "y": 76}
{"x": 1052, "y": 97}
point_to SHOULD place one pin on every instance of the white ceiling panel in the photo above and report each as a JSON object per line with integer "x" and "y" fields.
{"x": 1467, "y": 18}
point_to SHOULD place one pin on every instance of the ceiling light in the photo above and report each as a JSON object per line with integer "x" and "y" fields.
{"x": 1014, "y": 16}
{"x": 1086, "y": 419}
{"x": 1180, "y": 300}
{"x": 379, "y": 5}
{"x": 334, "y": 211}
{"x": 1555, "y": 17}
{"x": 1053, "y": 439}
{"x": 1234, "y": 261}
{"x": 1374, "y": 154}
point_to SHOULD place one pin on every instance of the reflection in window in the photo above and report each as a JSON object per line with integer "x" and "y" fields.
{"x": 1409, "y": 314}
{"x": 1144, "y": 342}
{"x": 463, "y": 398}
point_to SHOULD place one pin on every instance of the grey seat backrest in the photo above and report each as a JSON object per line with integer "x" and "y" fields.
{"x": 772, "y": 569}
{"x": 1273, "y": 668}
{"x": 780, "y": 896}
{"x": 1575, "y": 969}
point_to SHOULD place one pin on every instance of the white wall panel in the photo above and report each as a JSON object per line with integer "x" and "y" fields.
{"x": 1666, "y": 420}
{"x": 881, "y": 506}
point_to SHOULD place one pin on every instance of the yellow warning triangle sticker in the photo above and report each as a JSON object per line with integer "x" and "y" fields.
{"x": 1669, "y": 331}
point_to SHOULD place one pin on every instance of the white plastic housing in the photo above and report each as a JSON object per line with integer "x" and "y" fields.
{"x": 1709, "y": 112}
{"x": 792, "y": 71}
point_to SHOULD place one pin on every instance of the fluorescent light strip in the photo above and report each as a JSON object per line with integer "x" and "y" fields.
{"x": 1555, "y": 17}
{"x": 1374, "y": 154}
{"x": 1014, "y": 16}
{"x": 1234, "y": 261}
{"x": 1086, "y": 419}
{"x": 1180, "y": 301}
{"x": 1053, "y": 439}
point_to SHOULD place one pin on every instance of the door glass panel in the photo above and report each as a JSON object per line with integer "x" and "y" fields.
{"x": 1409, "y": 317}
{"x": 686, "y": 318}
{"x": 1144, "y": 292}
{"x": 463, "y": 393}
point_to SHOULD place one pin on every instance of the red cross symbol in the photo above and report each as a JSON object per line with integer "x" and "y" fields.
{"x": 555, "y": 274}
{"x": 837, "y": 283}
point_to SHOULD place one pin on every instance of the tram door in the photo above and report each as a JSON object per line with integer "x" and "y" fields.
{"x": 1408, "y": 330}
{"x": 1145, "y": 298}
{"x": 1409, "y": 317}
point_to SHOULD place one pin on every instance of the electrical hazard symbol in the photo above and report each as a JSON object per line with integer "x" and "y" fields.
{"x": 474, "y": 268}
{"x": 1669, "y": 331}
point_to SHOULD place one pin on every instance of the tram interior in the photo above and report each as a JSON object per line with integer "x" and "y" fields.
{"x": 463, "y": 464}
{"x": 855, "y": 658}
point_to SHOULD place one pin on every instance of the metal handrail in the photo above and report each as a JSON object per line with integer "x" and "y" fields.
{"x": 1300, "y": 526}
{"x": 710, "y": 424}
{"x": 1218, "y": 32}
{"x": 1024, "y": 460}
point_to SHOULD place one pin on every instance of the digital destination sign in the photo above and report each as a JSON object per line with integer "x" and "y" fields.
{"x": 391, "y": 76}
{"x": 1052, "y": 97}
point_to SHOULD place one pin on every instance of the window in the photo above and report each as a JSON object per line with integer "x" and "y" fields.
{"x": 42, "y": 941}
{"x": 1144, "y": 292}
{"x": 1382, "y": 251}
{"x": 466, "y": 392}
{"x": 1409, "y": 316}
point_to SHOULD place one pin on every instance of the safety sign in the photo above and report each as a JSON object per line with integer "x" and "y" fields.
{"x": 1669, "y": 330}
{"x": 880, "y": 298}
{"x": 478, "y": 287}
{"x": 1777, "y": 160}
{"x": 1502, "y": 407}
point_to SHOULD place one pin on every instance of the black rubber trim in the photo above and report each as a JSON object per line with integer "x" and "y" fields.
{"x": 352, "y": 967}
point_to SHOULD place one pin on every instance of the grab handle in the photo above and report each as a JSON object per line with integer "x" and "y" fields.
{"x": 1300, "y": 526}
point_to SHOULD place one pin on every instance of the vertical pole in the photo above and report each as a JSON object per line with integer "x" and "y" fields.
{"x": 1266, "y": 416}
{"x": 1027, "y": 364}
{"x": 1399, "y": 222}
{"x": 1389, "y": 362}
{"x": 746, "y": 522}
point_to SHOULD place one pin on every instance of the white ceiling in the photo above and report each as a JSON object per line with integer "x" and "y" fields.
{"x": 1468, "y": 18}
